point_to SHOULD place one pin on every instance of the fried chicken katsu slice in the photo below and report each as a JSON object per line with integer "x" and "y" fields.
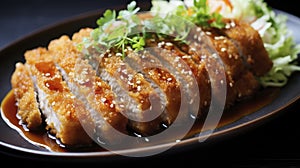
{"x": 26, "y": 98}
{"x": 163, "y": 81}
{"x": 58, "y": 105}
{"x": 96, "y": 94}
{"x": 251, "y": 45}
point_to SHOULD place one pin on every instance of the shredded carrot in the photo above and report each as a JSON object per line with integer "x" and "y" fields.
{"x": 220, "y": 4}
{"x": 228, "y": 3}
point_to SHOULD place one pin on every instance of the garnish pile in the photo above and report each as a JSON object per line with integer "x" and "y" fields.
{"x": 132, "y": 31}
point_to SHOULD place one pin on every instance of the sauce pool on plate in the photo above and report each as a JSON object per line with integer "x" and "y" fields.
{"x": 42, "y": 138}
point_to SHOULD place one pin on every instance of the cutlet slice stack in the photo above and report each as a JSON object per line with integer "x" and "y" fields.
{"x": 142, "y": 92}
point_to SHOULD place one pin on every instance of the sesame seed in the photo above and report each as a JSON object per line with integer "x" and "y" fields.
{"x": 139, "y": 88}
{"x": 119, "y": 54}
{"x": 195, "y": 36}
{"x": 227, "y": 26}
{"x": 232, "y": 24}
{"x": 161, "y": 44}
{"x": 99, "y": 83}
{"x": 84, "y": 71}
{"x": 214, "y": 55}
{"x": 130, "y": 83}
{"x": 103, "y": 99}
{"x": 169, "y": 44}
{"x": 129, "y": 48}
{"x": 124, "y": 71}
{"x": 199, "y": 38}
{"x": 186, "y": 57}
{"x": 208, "y": 33}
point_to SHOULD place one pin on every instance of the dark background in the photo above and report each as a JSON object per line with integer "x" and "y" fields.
{"x": 19, "y": 18}
{"x": 273, "y": 144}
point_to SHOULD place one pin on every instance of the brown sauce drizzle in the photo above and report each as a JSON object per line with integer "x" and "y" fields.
{"x": 42, "y": 138}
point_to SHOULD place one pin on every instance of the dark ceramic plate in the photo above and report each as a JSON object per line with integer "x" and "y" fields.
{"x": 15, "y": 144}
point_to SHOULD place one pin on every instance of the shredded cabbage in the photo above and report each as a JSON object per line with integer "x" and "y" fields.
{"x": 271, "y": 26}
{"x": 277, "y": 40}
